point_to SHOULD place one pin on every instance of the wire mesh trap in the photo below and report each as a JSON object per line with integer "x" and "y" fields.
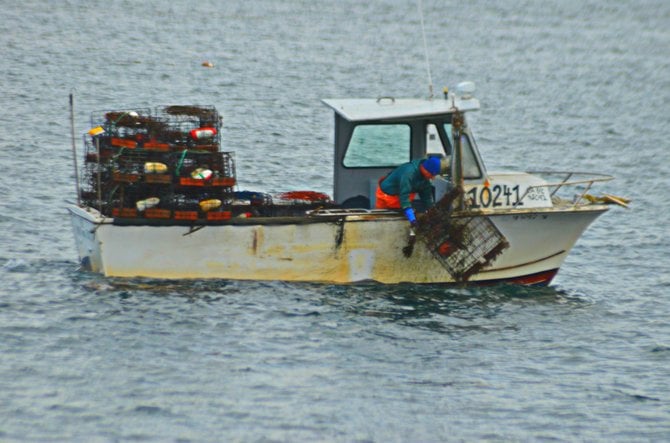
{"x": 463, "y": 245}
{"x": 169, "y": 156}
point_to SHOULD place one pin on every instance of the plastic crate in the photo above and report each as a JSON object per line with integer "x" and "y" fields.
{"x": 123, "y": 143}
{"x": 125, "y": 178}
{"x": 185, "y": 215}
{"x": 156, "y": 146}
{"x": 157, "y": 213}
{"x": 219, "y": 215}
{"x": 158, "y": 178}
{"x": 124, "y": 212}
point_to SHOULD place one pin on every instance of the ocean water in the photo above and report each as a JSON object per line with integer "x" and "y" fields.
{"x": 564, "y": 85}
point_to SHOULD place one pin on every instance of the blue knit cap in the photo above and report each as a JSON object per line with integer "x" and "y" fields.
{"x": 432, "y": 165}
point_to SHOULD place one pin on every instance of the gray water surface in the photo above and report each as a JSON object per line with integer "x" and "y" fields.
{"x": 564, "y": 85}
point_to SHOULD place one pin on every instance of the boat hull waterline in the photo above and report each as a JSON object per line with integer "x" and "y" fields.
{"x": 346, "y": 249}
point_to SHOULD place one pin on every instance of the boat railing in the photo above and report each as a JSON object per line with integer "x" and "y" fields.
{"x": 349, "y": 211}
{"x": 559, "y": 180}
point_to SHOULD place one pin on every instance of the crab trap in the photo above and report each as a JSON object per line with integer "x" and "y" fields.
{"x": 462, "y": 244}
{"x": 157, "y": 163}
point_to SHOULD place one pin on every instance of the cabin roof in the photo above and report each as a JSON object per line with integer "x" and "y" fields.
{"x": 387, "y": 108}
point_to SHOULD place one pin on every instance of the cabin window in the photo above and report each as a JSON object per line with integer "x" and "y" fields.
{"x": 471, "y": 167}
{"x": 447, "y": 129}
{"x": 434, "y": 141}
{"x": 378, "y": 146}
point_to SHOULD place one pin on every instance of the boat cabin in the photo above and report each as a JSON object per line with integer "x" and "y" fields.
{"x": 372, "y": 137}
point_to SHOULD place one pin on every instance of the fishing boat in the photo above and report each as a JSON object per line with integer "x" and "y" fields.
{"x": 160, "y": 199}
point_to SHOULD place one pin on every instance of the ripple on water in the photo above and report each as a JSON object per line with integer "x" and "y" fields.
{"x": 90, "y": 358}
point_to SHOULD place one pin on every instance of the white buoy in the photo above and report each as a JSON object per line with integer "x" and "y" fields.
{"x": 150, "y": 202}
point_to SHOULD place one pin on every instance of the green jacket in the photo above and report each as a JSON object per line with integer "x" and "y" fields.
{"x": 406, "y": 179}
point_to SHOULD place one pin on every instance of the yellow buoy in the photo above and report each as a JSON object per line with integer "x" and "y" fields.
{"x": 155, "y": 168}
{"x": 96, "y": 131}
{"x": 208, "y": 205}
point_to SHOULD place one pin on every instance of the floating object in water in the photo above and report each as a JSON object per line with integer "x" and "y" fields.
{"x": 150, "y": 202}
{"x": 207, "y": 64}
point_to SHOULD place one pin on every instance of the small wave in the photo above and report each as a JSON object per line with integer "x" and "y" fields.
{"x": 301, "y": 314}
{"x": 638, "y": 396}
{"x": 431, "y": 383}
{"x": 15, "y": 265}
{"x": 152, "y": 410}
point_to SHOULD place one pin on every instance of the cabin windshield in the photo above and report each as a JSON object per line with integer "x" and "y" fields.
{"x": 434, "y": 144}
{"x": 471, "y": 169}
{"x": 378, "y": 145}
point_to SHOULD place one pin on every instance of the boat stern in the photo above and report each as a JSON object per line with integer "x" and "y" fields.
{"x": 85, "y": 222}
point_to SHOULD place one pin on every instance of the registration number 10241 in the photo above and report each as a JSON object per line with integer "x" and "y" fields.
{"x": 494, "y": 196}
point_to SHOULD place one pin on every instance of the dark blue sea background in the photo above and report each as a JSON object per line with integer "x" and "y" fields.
{"x": 564, "y": 85}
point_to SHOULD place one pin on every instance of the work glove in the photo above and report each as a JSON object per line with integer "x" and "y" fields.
{"x": 409, "y": 213}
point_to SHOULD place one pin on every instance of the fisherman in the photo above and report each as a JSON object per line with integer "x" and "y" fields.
{"x": 397, "y": 189}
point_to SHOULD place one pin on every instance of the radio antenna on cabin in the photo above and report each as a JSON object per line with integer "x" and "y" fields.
{"x": 425, "y": 49}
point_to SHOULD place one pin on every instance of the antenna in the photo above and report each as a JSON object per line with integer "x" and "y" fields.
{"x": 74, "y": 151}
{"x": 425, "y": 49}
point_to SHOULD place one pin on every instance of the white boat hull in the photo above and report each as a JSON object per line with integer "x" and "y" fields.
{"x": 348, "y": 249}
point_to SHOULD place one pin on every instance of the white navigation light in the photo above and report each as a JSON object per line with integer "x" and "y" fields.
{"x": 465, "y": 90}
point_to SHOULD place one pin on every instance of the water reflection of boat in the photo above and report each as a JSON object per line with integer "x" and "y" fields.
{"x": 487, "y": 226}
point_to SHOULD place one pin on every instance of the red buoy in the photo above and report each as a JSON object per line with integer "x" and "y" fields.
{"x": 203, "y": 133}
{"x": 445, "y": 249}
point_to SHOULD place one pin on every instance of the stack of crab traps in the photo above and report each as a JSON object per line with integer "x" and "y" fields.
{"x": 158, "y": 163}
